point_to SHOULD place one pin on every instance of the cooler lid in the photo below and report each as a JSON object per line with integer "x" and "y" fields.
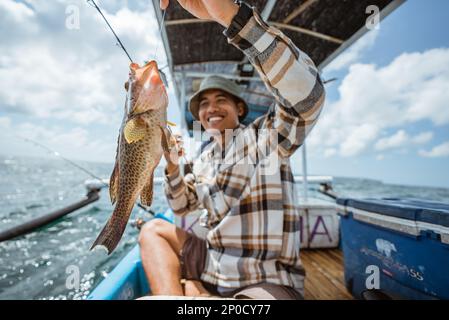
{"x": 406, "y": 208}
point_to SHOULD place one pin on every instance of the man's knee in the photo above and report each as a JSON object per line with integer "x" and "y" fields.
{"x": 153, "y": 228}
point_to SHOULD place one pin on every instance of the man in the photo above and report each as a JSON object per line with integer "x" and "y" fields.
{"x": 252, "y": 244}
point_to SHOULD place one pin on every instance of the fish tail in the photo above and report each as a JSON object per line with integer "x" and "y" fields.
{"x": 111, "y": 234}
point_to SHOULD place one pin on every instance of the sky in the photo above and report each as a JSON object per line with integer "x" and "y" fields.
{"x": 386, "y": 117}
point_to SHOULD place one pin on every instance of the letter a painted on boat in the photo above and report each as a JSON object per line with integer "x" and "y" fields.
{"x": 315, "y": 232}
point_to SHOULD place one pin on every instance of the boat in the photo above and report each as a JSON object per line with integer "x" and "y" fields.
{"x": 127, "y": 281}
{"x": 406, "y": 241}
{"x": 324, "y": 281}
{"x": 324, "y": 33}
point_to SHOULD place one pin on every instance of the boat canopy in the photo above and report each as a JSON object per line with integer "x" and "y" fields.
{"x": 197, "y": 48}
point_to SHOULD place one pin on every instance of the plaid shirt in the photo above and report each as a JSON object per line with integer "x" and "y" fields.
{"x": 252, "y": 210}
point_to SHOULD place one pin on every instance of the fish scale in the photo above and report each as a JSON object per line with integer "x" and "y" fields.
{"x": 139, "y": 150}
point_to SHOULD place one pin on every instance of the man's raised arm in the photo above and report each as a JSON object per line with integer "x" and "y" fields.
{"x": 289, "y": 74}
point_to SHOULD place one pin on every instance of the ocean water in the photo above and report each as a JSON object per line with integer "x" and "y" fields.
{"x": 37, "y": 265}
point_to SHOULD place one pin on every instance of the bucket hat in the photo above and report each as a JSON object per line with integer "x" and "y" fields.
{"x": 217, "y": 82}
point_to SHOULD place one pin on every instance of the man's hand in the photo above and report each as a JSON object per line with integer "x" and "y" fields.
{"x": 176, "y": 152}
{"x": 221, "y": 11}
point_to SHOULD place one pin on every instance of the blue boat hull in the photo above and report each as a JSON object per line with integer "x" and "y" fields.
{"x": 127, "y": 281}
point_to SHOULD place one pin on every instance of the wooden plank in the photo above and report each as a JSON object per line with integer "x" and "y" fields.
{"x": 308, "y": 32}
{"x": 277, "y": 24}
{"x": 324, "y": 275}
{"x": 332, "y": 266}
{"x": 298, "y": 10}
{"x": 329, "y": 272}
{"x": 337, "y": 255}
{"x": 336, "y": 281}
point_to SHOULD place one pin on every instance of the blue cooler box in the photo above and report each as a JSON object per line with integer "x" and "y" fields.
{"x": 404, "y": 241}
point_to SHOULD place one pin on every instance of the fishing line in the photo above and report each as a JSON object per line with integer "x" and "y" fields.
{"x": 57, "y": 154}
{"x": 92, "y": 3}
{"x": 163, "y": 76}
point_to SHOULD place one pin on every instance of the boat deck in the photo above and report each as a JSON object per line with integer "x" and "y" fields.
{"x": 324, "y": 275}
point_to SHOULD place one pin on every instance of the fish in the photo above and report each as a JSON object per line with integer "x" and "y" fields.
{"x": 141, "y": 142}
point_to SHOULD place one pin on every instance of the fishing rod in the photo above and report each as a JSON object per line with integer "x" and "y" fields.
{"x": 329, "y": 80}
{"x": 163, "y": 76}
{"x": 93, "y": 189}
{"x": 327, "y": 190}
{"x": 92, "y": 3}
{"x": 93, "y": 194}
{"x": 42, "y": 221}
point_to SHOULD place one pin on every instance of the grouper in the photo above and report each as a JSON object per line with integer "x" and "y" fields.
{"x": 141, "y": 143}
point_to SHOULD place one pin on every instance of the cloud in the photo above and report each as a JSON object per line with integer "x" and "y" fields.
{"x": 330, "y": 152}
{"x": 16, "y": 11}
{"x": 73, "y": 143}
{"x": 46, "y": 87}
{"x": 353, "y": 53}
{"x": 402, "y": 139}
{"x": 423, "y": 137}
{"x": 358, "y": 139}
{"x": 75, "y": 76}
{"x": 64, "y": 87}
{"x": 396, "y": 140}
{"x": 5, "y": 122}
{"x": 413, "y": 87}
{"x": 441, "y": 150}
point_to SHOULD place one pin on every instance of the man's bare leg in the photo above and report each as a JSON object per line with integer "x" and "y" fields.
{"x": 160, "y": 243}
{"x": 193, "y": 288}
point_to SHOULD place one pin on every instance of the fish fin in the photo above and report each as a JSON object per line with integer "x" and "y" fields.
{"x": 113, "y": 180}
{"x": 110, "y": 236}
{"x": 113, "y": 183}
{"x": 135, "y": 129}
{"x": 146, "y": 196}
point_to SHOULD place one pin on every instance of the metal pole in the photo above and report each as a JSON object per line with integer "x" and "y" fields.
{"x": 304, "y": 171}
{"x": 265, "y": 14}
{"x": 182, "y": 101}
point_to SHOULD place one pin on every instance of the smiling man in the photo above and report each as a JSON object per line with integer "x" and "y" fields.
{"x": 218, "y": 105}
{"x": 251, "y": 211}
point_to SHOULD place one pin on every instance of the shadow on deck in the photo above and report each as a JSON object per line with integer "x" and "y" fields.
{"x": 324, "y": 275}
